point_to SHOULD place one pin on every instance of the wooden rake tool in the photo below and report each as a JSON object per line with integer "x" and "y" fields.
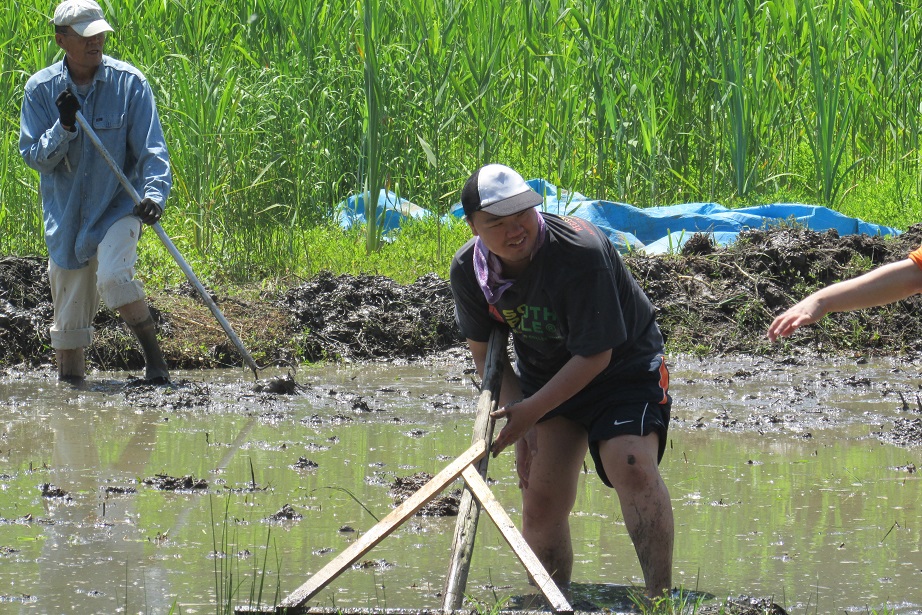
{"x": 472, "y": 466}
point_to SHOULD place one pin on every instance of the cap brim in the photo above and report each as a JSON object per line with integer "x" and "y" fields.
{"x": 92, "y": 28}
{"x": 514, "y": 204}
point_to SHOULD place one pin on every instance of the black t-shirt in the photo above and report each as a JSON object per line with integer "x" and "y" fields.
{"x": 575, "y": 298}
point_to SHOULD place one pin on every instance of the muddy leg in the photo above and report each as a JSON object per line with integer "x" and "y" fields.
{"x": 71, "y": 364}
{"x": 550, "y": 494}
{"x": 137, "y": 316}
{"x": 630, "y": 463}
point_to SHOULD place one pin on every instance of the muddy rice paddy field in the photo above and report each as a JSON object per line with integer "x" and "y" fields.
{"x": 792, "y": 467}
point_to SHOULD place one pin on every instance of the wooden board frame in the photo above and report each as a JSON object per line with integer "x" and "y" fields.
{"x": 472, "y": 465}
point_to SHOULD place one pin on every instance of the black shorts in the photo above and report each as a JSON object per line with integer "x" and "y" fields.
{"x": 638, "y": 406}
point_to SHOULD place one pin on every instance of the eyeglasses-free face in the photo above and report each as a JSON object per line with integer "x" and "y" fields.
{"x": 84, "y": 53}
{"x": 511, "y": 238}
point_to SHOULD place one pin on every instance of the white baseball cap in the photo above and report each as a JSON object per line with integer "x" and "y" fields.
{"x": 84, "y": 16}
{"x": 498, "y": 190}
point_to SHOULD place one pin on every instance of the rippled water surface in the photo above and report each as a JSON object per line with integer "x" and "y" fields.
{"x": 781, "y": 485}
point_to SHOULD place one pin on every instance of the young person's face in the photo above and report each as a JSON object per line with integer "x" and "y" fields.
{"x": 511, "y": 238}
{"x": 84, "y": 54}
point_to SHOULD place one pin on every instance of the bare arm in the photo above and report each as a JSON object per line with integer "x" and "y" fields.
{"x": 572, "y": 378}
{"x": 877, "y": 287}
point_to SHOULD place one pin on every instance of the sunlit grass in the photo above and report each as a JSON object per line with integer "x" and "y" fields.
{"x": 275, "y": 111}
{"x": 419, "y": 248}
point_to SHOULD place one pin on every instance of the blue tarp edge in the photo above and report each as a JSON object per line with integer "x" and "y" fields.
{"x": 653, "y": 230}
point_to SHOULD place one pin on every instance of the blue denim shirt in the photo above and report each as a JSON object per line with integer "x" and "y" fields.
{"x": 81, "y": 196}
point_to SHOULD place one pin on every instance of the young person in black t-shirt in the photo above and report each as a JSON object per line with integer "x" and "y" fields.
{"x": 590, "y": 371}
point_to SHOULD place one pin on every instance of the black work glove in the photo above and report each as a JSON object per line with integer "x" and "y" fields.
{"x": 67, "y": 105}
{"x": 148, "y": 211}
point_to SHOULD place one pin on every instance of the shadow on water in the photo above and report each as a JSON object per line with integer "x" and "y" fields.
{"x": 784, "y": 480}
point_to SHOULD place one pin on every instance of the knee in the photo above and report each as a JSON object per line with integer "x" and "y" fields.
{"x": 543, "y": 508}
{"x": 118, "y": 288}
{"x": 632, "y": 471}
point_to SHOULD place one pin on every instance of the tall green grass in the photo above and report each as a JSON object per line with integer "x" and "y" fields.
{"x": 277, "y": 110}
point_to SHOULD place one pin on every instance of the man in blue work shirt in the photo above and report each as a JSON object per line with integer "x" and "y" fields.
{"x": 92, "y": 225}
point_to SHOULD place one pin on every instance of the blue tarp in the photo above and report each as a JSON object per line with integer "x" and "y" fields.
{"x": 654, "y": 230}
{"x": 392, "y": 211}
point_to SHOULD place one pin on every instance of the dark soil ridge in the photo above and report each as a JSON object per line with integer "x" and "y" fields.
{"x": 710, "y": 300}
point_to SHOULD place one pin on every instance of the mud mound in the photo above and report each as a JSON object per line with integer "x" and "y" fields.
{"x": 372, "y": 317}
{"x": 25, "y": 310}
{"x": 709, "y": 299}
{"x": 26, "y": 315}
{"x": 723, "y": 299}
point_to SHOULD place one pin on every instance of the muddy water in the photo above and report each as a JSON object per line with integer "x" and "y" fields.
{"x": 781, "y": 487}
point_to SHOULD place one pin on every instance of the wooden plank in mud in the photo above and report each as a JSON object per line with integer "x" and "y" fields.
{"x": 322, "y": 610}
{"x": 507, "y": 528}
{"x": 382, "y": 529}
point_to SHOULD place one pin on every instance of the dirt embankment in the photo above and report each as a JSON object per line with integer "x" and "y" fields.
{"x": 710, "y": 300}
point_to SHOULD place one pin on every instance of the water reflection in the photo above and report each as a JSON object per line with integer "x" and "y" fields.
{"x": 92, "y": 556}
{"x": 815, "y": 511}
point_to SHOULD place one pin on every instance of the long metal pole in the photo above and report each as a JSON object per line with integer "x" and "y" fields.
{"x": 170, "y": 247}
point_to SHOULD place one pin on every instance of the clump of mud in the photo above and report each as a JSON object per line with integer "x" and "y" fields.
{"x": 743, "y": 605}
{"x": 905, "y": 432}
{"x": 174, "y": 396}
{"x": 50, "y": 491}
{"x": 304, "y": 463}
{"x": 441, "y": 506}
{"x": 285, "y": 513}
{"x": 279, "y": 385}
{"x": 164, "y": 482}
{"x": 710, "y": 300}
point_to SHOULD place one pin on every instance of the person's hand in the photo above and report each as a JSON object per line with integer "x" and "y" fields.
{"x": 525, "y": 450}
{"x": 806, "y": 312}
{"x": 67, "y": 105}
{"x": 521, "y": 417}
{"x": 149, "y": 211}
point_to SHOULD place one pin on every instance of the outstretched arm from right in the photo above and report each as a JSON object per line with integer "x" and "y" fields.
{"x": 880, "y": 286}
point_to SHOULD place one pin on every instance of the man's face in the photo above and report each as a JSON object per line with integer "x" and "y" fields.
{"x": 84, "y": 54}
{"x": 511, "y": 238}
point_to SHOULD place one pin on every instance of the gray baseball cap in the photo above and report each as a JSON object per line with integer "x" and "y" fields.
{"x": 84, "y": 16}
{"x": 498, "y": 190}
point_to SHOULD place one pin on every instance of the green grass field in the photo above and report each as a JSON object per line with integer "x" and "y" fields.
{"x": 277, "y": 110}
